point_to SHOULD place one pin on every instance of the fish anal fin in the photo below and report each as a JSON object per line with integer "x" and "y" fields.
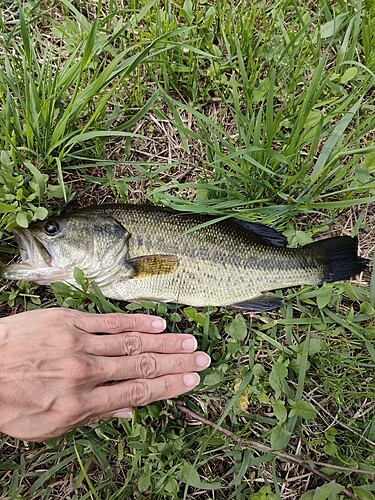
{"x": 262, "y": 302}
{"x": 149, "y": 265}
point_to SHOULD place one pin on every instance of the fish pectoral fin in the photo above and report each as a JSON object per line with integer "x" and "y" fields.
{"x": 149, "y": 265}
{"x": 262, "y": 302}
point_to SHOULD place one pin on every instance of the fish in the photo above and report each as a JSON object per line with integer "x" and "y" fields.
{"x": 144, "y": 252}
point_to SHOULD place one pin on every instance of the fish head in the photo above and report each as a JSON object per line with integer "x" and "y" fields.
{"x": 52, "y": 249}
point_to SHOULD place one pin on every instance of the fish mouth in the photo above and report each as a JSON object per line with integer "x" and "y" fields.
{"x": 33, "y": 252}
{"x": 36, "y": 260}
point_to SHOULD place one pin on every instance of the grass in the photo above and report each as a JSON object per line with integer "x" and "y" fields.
{"x": 265, "y": 110}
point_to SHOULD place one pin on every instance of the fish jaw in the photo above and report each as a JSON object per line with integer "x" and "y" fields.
{"x": 36, "y": 262}
{"x": 32, "y": 252}
{"x": 41, "y": 275}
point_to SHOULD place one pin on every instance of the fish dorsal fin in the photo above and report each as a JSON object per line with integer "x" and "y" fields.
{"x": 263, "y": 233}
{"x": 149, "y": 265}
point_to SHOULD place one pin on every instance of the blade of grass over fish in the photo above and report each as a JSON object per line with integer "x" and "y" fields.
{"x": 208, "y": 223}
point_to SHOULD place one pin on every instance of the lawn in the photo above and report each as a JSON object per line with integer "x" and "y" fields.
{"x": 256, "y": 109}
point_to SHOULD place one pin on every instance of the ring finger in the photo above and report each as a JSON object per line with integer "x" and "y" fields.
{"x": 150, "y": 365}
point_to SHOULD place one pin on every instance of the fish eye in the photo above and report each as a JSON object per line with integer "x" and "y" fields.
{"x": 52, "y": 228}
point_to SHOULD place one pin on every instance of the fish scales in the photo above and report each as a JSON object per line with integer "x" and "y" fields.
{"x": 219, "y": 264}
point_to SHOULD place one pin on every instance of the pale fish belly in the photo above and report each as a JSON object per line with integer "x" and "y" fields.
{"x": 198, "y": 285}
{"x": 207, "y": 284}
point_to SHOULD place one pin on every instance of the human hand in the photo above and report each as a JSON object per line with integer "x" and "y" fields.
{"x": 54, "y": 370}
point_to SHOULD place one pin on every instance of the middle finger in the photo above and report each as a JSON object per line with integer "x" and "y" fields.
{"x": 128, "y": 344}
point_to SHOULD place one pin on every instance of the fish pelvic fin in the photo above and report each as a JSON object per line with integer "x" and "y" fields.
{"x": 261, "y": 302}
{"x": 340, "y": 256}
{"x": 149, "y": 265}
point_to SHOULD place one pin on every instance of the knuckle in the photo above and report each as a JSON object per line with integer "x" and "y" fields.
{"x": 147, "y": 365}
{"x": 70, "y": 410}
{"x": 133, "y": 322}
{"x": 72, "y": 341}
{"x": 168, "y": 387}
{"x": 139, "y": 394}
{"x": 179, "y": 363}
{"x": 80, "y": 367}
{"x": 113, "y": 323}
{"x": 131, "y": 344}
{"x": 63, "y": 317}
{"x": 168, "y": 343}
{"x": 165, "y": 344}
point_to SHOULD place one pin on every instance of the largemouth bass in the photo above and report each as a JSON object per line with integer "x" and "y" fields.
{"x": 138, "y": 252}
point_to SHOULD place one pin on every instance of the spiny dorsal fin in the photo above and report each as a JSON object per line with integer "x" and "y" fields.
{"x": 149, "y": 265}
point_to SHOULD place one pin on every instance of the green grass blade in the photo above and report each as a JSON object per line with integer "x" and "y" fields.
{"x": 335, "y": 138}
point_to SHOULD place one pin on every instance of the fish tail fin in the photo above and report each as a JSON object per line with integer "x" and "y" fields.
{"x": 340, "y": 257}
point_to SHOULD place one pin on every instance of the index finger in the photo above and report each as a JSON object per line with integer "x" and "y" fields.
{"x": 114, "y": 322}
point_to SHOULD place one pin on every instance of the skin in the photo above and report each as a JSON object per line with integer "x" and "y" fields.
{"x": 54, "y": 369}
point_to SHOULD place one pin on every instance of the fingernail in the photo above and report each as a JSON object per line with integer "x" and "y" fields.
{"x": 203, "y": 360}
{"x": 159, "y": 324}
{"x": 189, "y": 344}
{"x": 123, "y": 414}
{"x": 191, "y": 379}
